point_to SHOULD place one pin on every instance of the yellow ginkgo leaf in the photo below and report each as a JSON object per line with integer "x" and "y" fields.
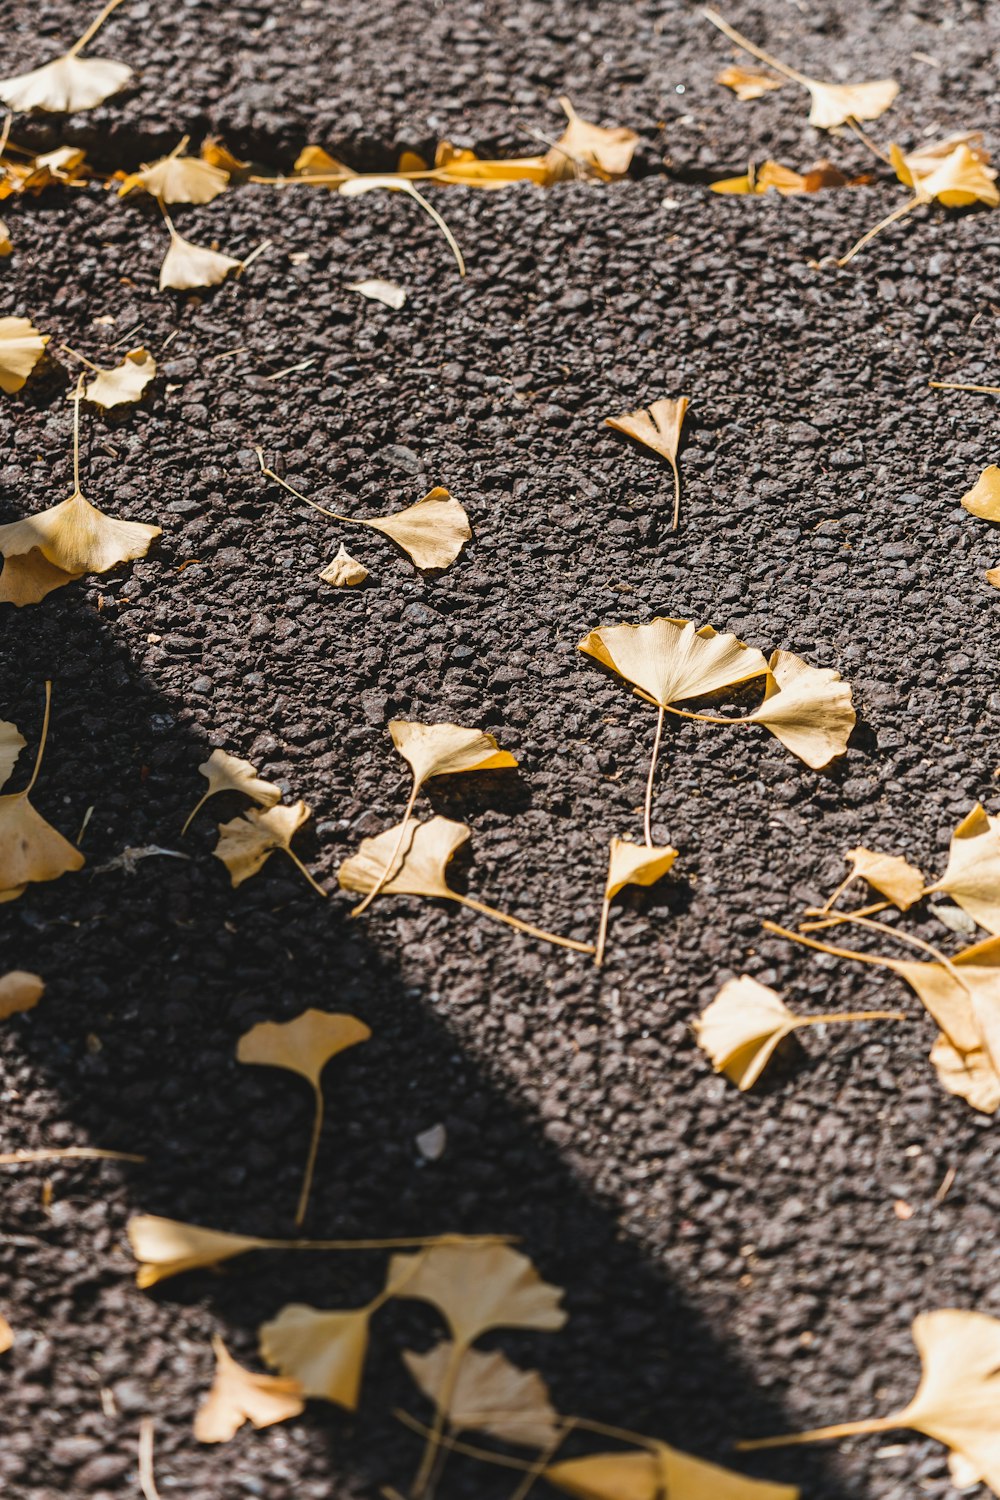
{"x": 630, "y": 864}
{"x": 166, "y": 1247}
{"x": 246, "y": 843}
{"x": 585, "y": 150}
{"x": 487, "y": 1394}
{"x": 422, "y": 852}
{"x": 186, "y": 265}
{"x": 344, "y": 571}
{"x": 178, "y": 179}
{"x": 984, "y": 498}
{"x": 304, "y": 1045}
{"x": 658, "y": 428}
{"x": 432, "y": 532}
{"x": 747, "y": 85}
{"x": 972, "y": 878}
{"x": 31, "y": 850}
{"x": 70, "y": 82}
{"x": 19, "y": 990}
{"x": 12, "y": 742}
{"x": 239, "y": 1395}
{"x": 217, "y": 154}
{"x": 436, "y": 750}
{"x": 889, "y": 874}
{"x": 773, "y": 176}
{"x": 6, "y": 1335}
{"x": 658, "y": 1473}
{"x": 972, "y": 1076}
{"x": 466, "y": 169}
{"x": 21, "y": 347}
{"x": 29, "y": 578}
{"x": 313, "y": 161}
{"x": 323, "y": 1351}
{"x": 746, "y": 1021}
{"x": 673, "y": 660}
{"x": 807, "y": 708}
{"x": 386, "y": 292}
{"x": 228, "y": 773}
{"x": 124, "y": 382}
{"x": 6, "y": 247}
{"x": 957, "y": 178}
{"x": 477, "y": 1287}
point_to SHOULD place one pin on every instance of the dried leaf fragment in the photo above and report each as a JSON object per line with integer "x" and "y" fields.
{"x": 65, "y": 85}
{"x": 228, "y": 773}
{"x": 166, "y": 1247}
{"x": 6, "y": 1335}
{"x": 807, "y": 708}
{"x": 889, "y": 874}
{"x": 747, "y": 85}
{"x": 246, "y": 843}
{"x": 344, "y": 571}
{"x": 630, "y": 864}
{"x": 21, "y": 347}
{"x": 477, "y": 1287}
{"x": 586, "y": 150}
{"x": 124, "y": 382}
{"x": 375, "y": 290}
{"x": 658, "y": 1473}
{"x": 971, "y": 1076}
{"x": 12, "y": 742}
{"x": 984, "y": 498}
{"x": 956, "y": 177}
{"x": 488, "y": 1394}
{"x": 31, "y": 850}
{"x": 324, "y": 1352}
{"x": 972, "y": 877}
{"x": 186, "y": 265}
{"x": 658, "y": 428}
{"x": 239, "y": 1395}
{"x": 19, "y": 990}
{"x": 673, "y": 660}
{"x": 6, "y": 248}
{"x": 178, "y": 179}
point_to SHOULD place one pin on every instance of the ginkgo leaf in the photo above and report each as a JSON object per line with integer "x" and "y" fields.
{"x": 658, "y": 1473}
{"x": 178, "y": 179}
{"x": 186, "y": 265}
{"x": 124, "y": 382}
{"x": 956, "y": 178}
{"x": 889, "y": 874}
{"x": 466, "y": 169}
{"x": 239, "y": 1395}
{"x": 246, "y": 843}
{"x": 432, "y": 532}
{"x": 31, "y": 850}
{"x": 313, "y": 161}
{"x": 19, "y": 990}
{"x": 984, "y": 497}
{"x": 658, "y": 428}
{"x": 6, "y": 247}
{"x": 65, "y": 85}
{"x": 488, "y": 1394}
{"x": 344, "y": 571}
{"x": 375, "y": 290}
{"x": 477, "y": 1287}
{"x": 6, "y": 1335}
{"x": 746, "y": 85}
{"x": 166, "y": 1247}
{"x": 323, "y": 1351}
{"x": 972, "y": 1076}
{"x": 228, "y": 773}
{"x": 807, "y": 708}
{"x": 304, "y": 1045}
{"x": 672, "y": 660}
{"x": 747, "y": 1020}
{"x": 21, "y": 347}
{"x": 75, "y": 537}
{"x": 30, "y": 578}
{"x": 585, "y": 150}
{"x": 773, "y": 176}
{"x": 12, "y": 742}
{"x": 972, "y": 878}
{"x": 630, "y": 864}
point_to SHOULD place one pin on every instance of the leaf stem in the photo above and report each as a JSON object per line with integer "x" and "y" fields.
{"x": 5, "y": 132}
{"x": 854, "y": 1015}
{"x": 466, "y": 1449}
{"x": 648, "y": 809}
{"x": 69, "y": 1153}
{"x": 439, "y": 221}
{"x": 307, "y": 1177}
{"x": 905, "y": 937}
{"x": 299, "y": 865}
{"x": 93, "y": 28}
{"x": 389, "y": 869}
{"x": 830, "y": 948}
{"x": 347, "y": 520}
{"x": 821, "y": 1434}
{"x": 832, "y": 900}
{"x": 195, "y": 811}
{"x": 525, "y": 927}
{"x": 77, "y": 398}
{"x": 41, "y": 743}
{"x": 832, "y": 918}
{"x": 866, "y": 140}
{"x": 671, "y": 460}
{"x": 950, "y": 385}
{"x": 602, "y": 933}
{"x": 82, "y": 358}
{"x": 442, "y": 1404}
{"x": 748, "y": 46}
{"x": 898, "y": 213}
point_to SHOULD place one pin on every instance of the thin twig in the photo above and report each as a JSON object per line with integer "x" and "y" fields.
{"x": 66, "y": 1153}
{"x": 147, "y": 1479}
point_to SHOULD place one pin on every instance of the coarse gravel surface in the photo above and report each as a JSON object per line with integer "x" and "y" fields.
{"x": 733, "y": 1264}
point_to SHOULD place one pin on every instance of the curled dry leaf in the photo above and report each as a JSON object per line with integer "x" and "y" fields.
{"x": 488, "y": 1394}
{"x": 375, "y": 290}
{"x": 63, "y": 165}
{"x": 807, "y": 708}
{"x": 186, "y": 265}
{"x": 672, "y": 660}
{"x": 585, "y": 150}
{"x": 972, "y": 878}
{"x": 239, "y": 1395}
{"x": 246, "y": 843}
{"x": 124, "y": 382}
{"x": 228, "y": 773}
{"x": 466, "y": 169}
{"x": 747, "y": 85}
{"x": 304, "y": 1045}
{"x": 889, "y": 874}
{"x": 658, "y": 428}
{"x": 773, "y": 176}
{"x": 19, "y": 990}
{"x": 21, "y": 347}
{"x": 954, "y": 172}
{"x": 178, "y": 179}
{"x": 984, "y": 498}
{"x": 31, "y": 850}
{"x": 969, "y": 1075}
{"x": 477, "y": 1287}
{"x": 630, "y": 864}
{"x": 658, "y": 1473}
{"x": 323, "y": 1351}
{"x": 344, "y": 571}
{"x": 166, "y": 1247}
{"x": 70, "y": 82}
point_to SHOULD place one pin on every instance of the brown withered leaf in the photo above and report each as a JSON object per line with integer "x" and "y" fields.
{"x": 747, "y": 85}
{"x": 972, "y": 877}
{"x": 477, "y": 1287}
{"x": 228, "y": 773}
{"x": 31, "y": 850}
{"x": 889, "y": 874}
{"x": 303, "y": 1045}
{"x": 246, "y": 843}
{"x": 807, "y": 708}
{"x": 344, "y": 571}
{"x": 186, "y": 265}
{"x": 984, "y": 498}
{"x": 19, "y": 990}
{"x": 178, "y": 179}
{"x": 658, "y": 428}
{"x": 21, "y": 347}
{"x": 487, "y": 1394}
{"x": 658, "y": 1473}
{"x": 630, "y": 864}
{"x": 239, "y": 1395}
{"x": 69, "y": 82}
{"x": 124, "y": 382}
{"x": 586, "y": 150}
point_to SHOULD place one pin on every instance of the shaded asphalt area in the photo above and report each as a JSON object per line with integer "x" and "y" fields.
{"x": 733, "y": 1265}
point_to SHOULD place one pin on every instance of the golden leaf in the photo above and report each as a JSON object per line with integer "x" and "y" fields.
{"x": 228, "y": 773}
{"x": 486, "y": 1394}
{"x": 477, "y": 1287}
{"x": 304, "y": 1045}
{"x": 972, "y": 878}
{"x": 656, "y": 1474}
{"x": 12, "y": 742}
{"x": 658, "y": 428}
{"x": 75, "y": 537}
{"x": 746, "y": 85}
{"x": 186, "y": 265}
{"x": 178, "y": 179}
{"x": 239, "y": 1395}
{"x": 344, "y": 571}
{"x": 29, "y": 579}
{"x": 970, "y": 1075}
{"x": 31, "y": 850}
{"x": 783, "y": 180}
{"x": 6, "y": 1335}
{"x": 956, "y": 177}
{"x": 218, "y": 155}
{"x": 585, "y": 150}
{"x": 466, "y": 169}
{"x": 807, "y": 708}
{"x": 671, "y": 660}
{"x": 6, "y": 248}
{"x": 166, "y": 1247}
{"x": 246, "y": 843}
{"x": 313, "y": 161}
{"x": 630, "y": 864}
{"x": 375, "y": 290}
{"x": 65, "y": 85}
{"x": 432, "y": 532}
{"x": 889, "y": 874}
{"x": 19, "y": 990}
{"x": 323, "y": 1351}
{"x": 21, "y": 347}
{"x": 984, "y": 498}
{"x": 125, "y": 382}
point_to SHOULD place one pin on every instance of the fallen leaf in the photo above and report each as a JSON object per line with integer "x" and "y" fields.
{"x": 246, "y": 843}
{"x": 12, "y": 742}
{"x": 70, "y": 82}
{"x": 479, "y": 1287}
{"x": 30, "y": 578}
{"x": 186, "y": 265}
{"x": 466, "y": 169}
{"x": 304, "y": 1045}
{"x": 954, "y": 918}
{"x": 6, "y": 1335}
{"x": 380, "y": 291}
{"x": 31, "y": 850}
{"x": 218, "y": 155}
{"x": 984, "y": 498}
{"x": 972, "y": 1076}
{"x": 630, "y": 864}
{"x": 239, "y": 1395}
{"x": 432, "y": 532}
{"x": 21, "y": 347}
{"x": 807, "y": 708}
{"x": 746, "y": 85}
{"x": 178, "y": 179}
{"x": 671, "y": 660}
{"x": 585, "y": 150}
{"x": 228, "y": 773}
{"x": 889, "y": 874}
{"x": 323, "y": 1351}
{"x": 313, "y": 161}
{"x": 6, "y": 248}
{"x": 344, "y": 571}
{"x": 958, "y": 178}
{"x": 125, "y": 382}
{"x": 488, "y": 1394}
{"x": 772, "y": 175}
{"x": 655, "y": 1474}
{"x": 166, "y": 1247}
{"x": 658, "y": 428}
{"x": 972, "y": 878}
{"x": 19, "y": 990}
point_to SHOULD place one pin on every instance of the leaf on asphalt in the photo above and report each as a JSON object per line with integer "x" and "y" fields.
{"x": 6, "y": 248}
{"x": 446, "y": 750}
{"x": 63, "y": 165}
{"x": 807, "y": 708}
{"x": 380, "y": 291}
{"x": 956, "y": 177}
{"x": 658, "y": 428}
{"x": 477, "y": 1287}
{"x": 489, "y": 1394}
{"x": 747, "y": 85}
{"x": 425, "y": 849}
{"x": 31, "y": 850}
{"x": 972, "y": 878}
{"x": 65, "y": 85}
{"x": 178, "y": 179}
{"x": 773, "y": 176}
{"x": 585, "y": 150}
{"x": 166, "y": 1247}
{"x": 323, "y": 1351}
{"x": 970, "y": 1075}
{"x": 21, "y": 347}
{"x": 19, "y": 990}
{"x": 432, "y": 532}
{"x": 984, "y": 498}
{"x": 466, "y": 169}
{"x": 344, "y": 571}
{"x": 313, "y": 161}
{"x": 670, "y": 660}
{"x": 217, "y": 154}
{"x": 12, "y": 742}
{"x": 6, "y": 1335}
{"x": 228, "y": 773}
{"x": 636, "y": 864}
{"x": 889, "y": 874}
{"x": 246, "y": 843}
{"x": 239, "y": 1395}
{"x": 125, "y": 382}
{"x": 186, "y": 265}
{"x": 655, "y": 1474}
{"x": 29, "y": 579}
{"x": 46, "y": 550}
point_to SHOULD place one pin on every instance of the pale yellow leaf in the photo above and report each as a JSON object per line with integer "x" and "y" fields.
{"x": 186, "y": 265}
{"x": 29, "y": 577}
{"x": 446, "y": 749}
{"x": 658, "y": 428}
{"x": 21, "y": 347}
{"x": 31, "y": 850}
{"x": 807, "y": 708}
{"x": 166, "y": 1247}
{"x": 65, "y": 85}
{"x": 671, "y": 660}
{"x": 303, "y": 1045}
{"x": 477, "y": 1287}
{"x": 984, "y": 497}
{"x": 228, "y": 773}
{"x": 375, "y": 290}
{"x": 432, "y": 532}
{"x": 6, "y": 248}
{"x": 889, "y": 874}
{"x": 747, "y": 85}
{"x": 636, "y": 864}
{"x": 12, "y": 742}
{"x": 125, "y": 382}
{"x": 178, "y": 179}
{"x": 489, "y": 1394}
{"x": 344, "y": 571}
{"x": 835, "y": 103}
{"x": 742, "y": 1028}
{"x": 239, "y": 1395}
{"x": 586, "y": 150}
{"x": 970, "y": 1075}
{"x": 426, "y": 850}
{"x": 323, "y": 1351}
{"x": 6, "y": 1335}
{"x": 972, "y": 878}
{"x": 659, "y": 1473}
{"x": 246, "y": 843}
{"x": 19, "y": 990}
